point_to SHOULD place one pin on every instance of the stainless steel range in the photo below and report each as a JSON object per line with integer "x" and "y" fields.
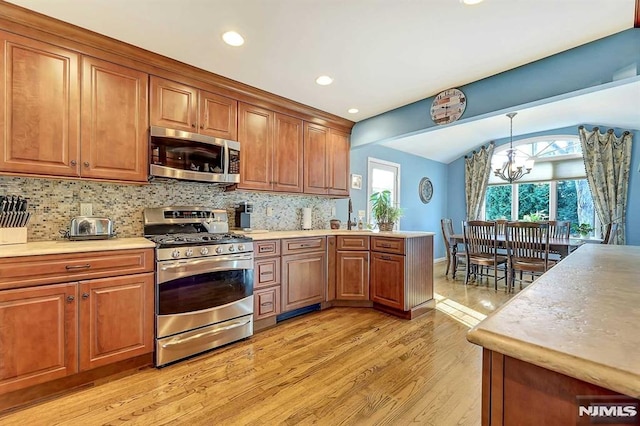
{"x": 204, "y": 278}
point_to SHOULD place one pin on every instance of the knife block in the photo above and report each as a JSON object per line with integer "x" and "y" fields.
{"x": 13, "y": 235}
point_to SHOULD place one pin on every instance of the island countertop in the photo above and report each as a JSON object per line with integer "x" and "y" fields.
{"x": 275, "y": 235}
{"x": 581, "y": 319}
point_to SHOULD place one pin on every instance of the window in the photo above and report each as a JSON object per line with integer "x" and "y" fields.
{"x": 556, "y": 189}
{"x": 383, "y": 175}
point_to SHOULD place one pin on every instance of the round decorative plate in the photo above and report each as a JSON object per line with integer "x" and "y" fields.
{"x": 425, "y": 190}
{"x": 448, "y": 106}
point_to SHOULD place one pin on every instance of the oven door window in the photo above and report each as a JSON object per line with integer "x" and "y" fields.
{"x": 204, "y": 291}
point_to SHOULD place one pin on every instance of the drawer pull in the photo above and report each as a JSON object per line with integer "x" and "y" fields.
{"x": 74, "y": 267}
{"x": 266, "y": 304}
{"x": 386, "y": 257}
{"x": 385, "y": 245}
{"x": 266, "y": 273}
{"x": 265, "y": 249}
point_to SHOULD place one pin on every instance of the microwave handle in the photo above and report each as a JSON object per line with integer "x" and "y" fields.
{"x": 226, "y": 159}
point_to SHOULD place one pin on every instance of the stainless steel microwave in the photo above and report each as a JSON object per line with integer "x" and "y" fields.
{"x": 191, "y": 156}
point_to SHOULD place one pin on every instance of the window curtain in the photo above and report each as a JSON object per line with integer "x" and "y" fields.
{"x": 477, "y": 167}
{"x": 607, "y": 162}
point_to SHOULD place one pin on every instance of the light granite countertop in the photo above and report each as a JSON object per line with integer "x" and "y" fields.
{"x": 274, "y": 235}
{"x": 37, "y": 248}
{"x": 581, "y": 319}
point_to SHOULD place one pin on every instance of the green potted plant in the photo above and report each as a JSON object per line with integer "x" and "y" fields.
{"x": 384, "y": 213}
{"x": 583, "y": 229}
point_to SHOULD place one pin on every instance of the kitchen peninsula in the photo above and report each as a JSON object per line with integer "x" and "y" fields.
{"x": 574, "y": 332}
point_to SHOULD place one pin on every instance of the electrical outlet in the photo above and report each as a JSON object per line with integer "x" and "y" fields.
{"x": 333, "y": 211}
{"x": 269, "y": 211}
{"x": 86, "y": 209}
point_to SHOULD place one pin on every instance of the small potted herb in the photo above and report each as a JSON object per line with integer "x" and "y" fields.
{"x": 583, "y": 229}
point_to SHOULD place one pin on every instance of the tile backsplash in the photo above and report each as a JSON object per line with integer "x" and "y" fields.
{"x": 54, "y": 202}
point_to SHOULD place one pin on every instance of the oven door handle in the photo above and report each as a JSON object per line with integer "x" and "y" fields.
{"x": 222, "y": 261}
{"x": 217, "y": 330}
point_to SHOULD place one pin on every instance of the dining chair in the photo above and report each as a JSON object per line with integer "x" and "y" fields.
{"x": 501, "y": 226}
{"x": 481, "y": 246}
{"x": 558, "y": 229}
{"x": 528, "y": 246}
{"x": 610, "y": 233}
{"x": 455, "y": 258}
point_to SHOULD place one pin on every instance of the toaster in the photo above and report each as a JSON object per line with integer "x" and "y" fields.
{"x": 90, "y": 228}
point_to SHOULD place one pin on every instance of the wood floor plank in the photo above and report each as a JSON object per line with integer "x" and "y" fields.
{"x": 338, "y": 366}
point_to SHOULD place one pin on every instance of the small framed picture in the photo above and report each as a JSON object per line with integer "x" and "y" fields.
{"x": 356, "y": 181}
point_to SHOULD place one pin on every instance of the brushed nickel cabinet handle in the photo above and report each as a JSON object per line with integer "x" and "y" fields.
{"x": 86, "y": 164}
{"x": 73, "y": 162}
{"x": 385, "y": 257}
{"x": 85, "y": 296}
{"x": 71, "y": 298}
{"x": 266, "y": 304}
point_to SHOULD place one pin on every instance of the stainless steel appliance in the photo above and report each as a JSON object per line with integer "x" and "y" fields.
{"x": 90, "y": 228}
{"x": 191, "y": 156}
{"x": 204, "y": 278}
{"x": 243, "y": 215}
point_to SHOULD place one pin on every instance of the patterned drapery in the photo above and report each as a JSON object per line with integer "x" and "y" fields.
{"x": 477, "y": 167}
{"x": 607, "y": 161}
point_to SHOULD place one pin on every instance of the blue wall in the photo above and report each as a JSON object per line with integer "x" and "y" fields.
{"x": 457, "y": 203}
{"x": 417, "y": 216}
{"x": 612, "y": 58}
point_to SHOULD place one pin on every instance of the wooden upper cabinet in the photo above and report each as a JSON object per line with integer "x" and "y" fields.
{"x": 39, "y": 108}
{"x": 114, "y": 131}
{"x": 316, "y": 173}
{"x": 116, "y": 319}
{"x": 255, "y": 134}
{"x": 173, "y": 105}
{"x": 339, "y": 163}
{"x": 288, "y": 154}
{"x": 38, "y": 334}
{"x": 218, "y": 116}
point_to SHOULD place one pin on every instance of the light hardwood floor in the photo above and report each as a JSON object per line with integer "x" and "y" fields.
{"x": 338, "y": 366}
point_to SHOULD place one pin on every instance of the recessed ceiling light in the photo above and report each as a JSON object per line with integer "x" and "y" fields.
{"x": 324, "y": 80}
{"x": 470, "y": 2}
{"x": 353, "y": 110}
{"x": 232, "y": 38}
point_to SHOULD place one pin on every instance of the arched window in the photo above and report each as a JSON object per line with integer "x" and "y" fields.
{"x": 556, "y": 188}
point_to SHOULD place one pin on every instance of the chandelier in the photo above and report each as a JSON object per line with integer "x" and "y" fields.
{"x": 514, "y": 168}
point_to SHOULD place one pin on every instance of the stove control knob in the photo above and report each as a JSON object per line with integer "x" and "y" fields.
{"x": 218, "y": 250}
{"x": 232, "y": 248}
{"x": 175, "y": 254}
{"x": 241, "y": 247}
{"x": 189, "y": 253}
{"x": 204, "y": 251}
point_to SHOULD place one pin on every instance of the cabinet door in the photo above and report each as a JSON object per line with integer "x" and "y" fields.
{"x": 304, "y": 279}
{"x": 352, "y": 275}
{"x": 339, "y": 163}
{"x": 266, "y": 302}
{"x": 316, "y": 176}
{"x": 387, "y": 279}
{"x": 266, "y": 272}
{"x": 39, "y": 108}
{"x": 38, "y": 335}
{"x": 255, "y": 133}
{"x": 115, "y": 126}
{"x": 287, "y": 154}
{"x": 218, "y": 116}
{"x": 116, "y": 319}
{"x": 173, "y": 105}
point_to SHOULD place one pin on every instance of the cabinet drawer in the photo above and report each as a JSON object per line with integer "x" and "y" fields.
{"x": 304, "y": 245}
{"x": 387, "y": 245}
{"x": 47, "y": 269}
{"x": 356, "y": 242}
{"x": 266, "y": 302}
{"x": 266, "y": 272}
{"x": 266, "y": 248}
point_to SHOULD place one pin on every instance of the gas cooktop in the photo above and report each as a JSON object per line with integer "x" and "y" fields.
{"x": 199, "y": 238}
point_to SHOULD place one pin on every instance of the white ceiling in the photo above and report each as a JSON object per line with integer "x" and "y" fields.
{"x": 382, "y": 53}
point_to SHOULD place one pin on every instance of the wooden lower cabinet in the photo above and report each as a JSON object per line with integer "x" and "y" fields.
{"x": 352, "y": 275}
{"x": 304, "y": 278}
{"x": 116, "y": 319}
{"x": 38, "y": 335}
{"x": 266, "y": 302}
{"x": 52, "y": 331}
{"x": 387, "y": 279}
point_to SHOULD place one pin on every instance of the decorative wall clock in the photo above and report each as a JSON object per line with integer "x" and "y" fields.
{"x": 448, "y": 106}
{"x": 425, "y": 190}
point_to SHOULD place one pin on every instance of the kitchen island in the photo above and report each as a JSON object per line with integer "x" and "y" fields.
{"x": 574, "y": 332}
